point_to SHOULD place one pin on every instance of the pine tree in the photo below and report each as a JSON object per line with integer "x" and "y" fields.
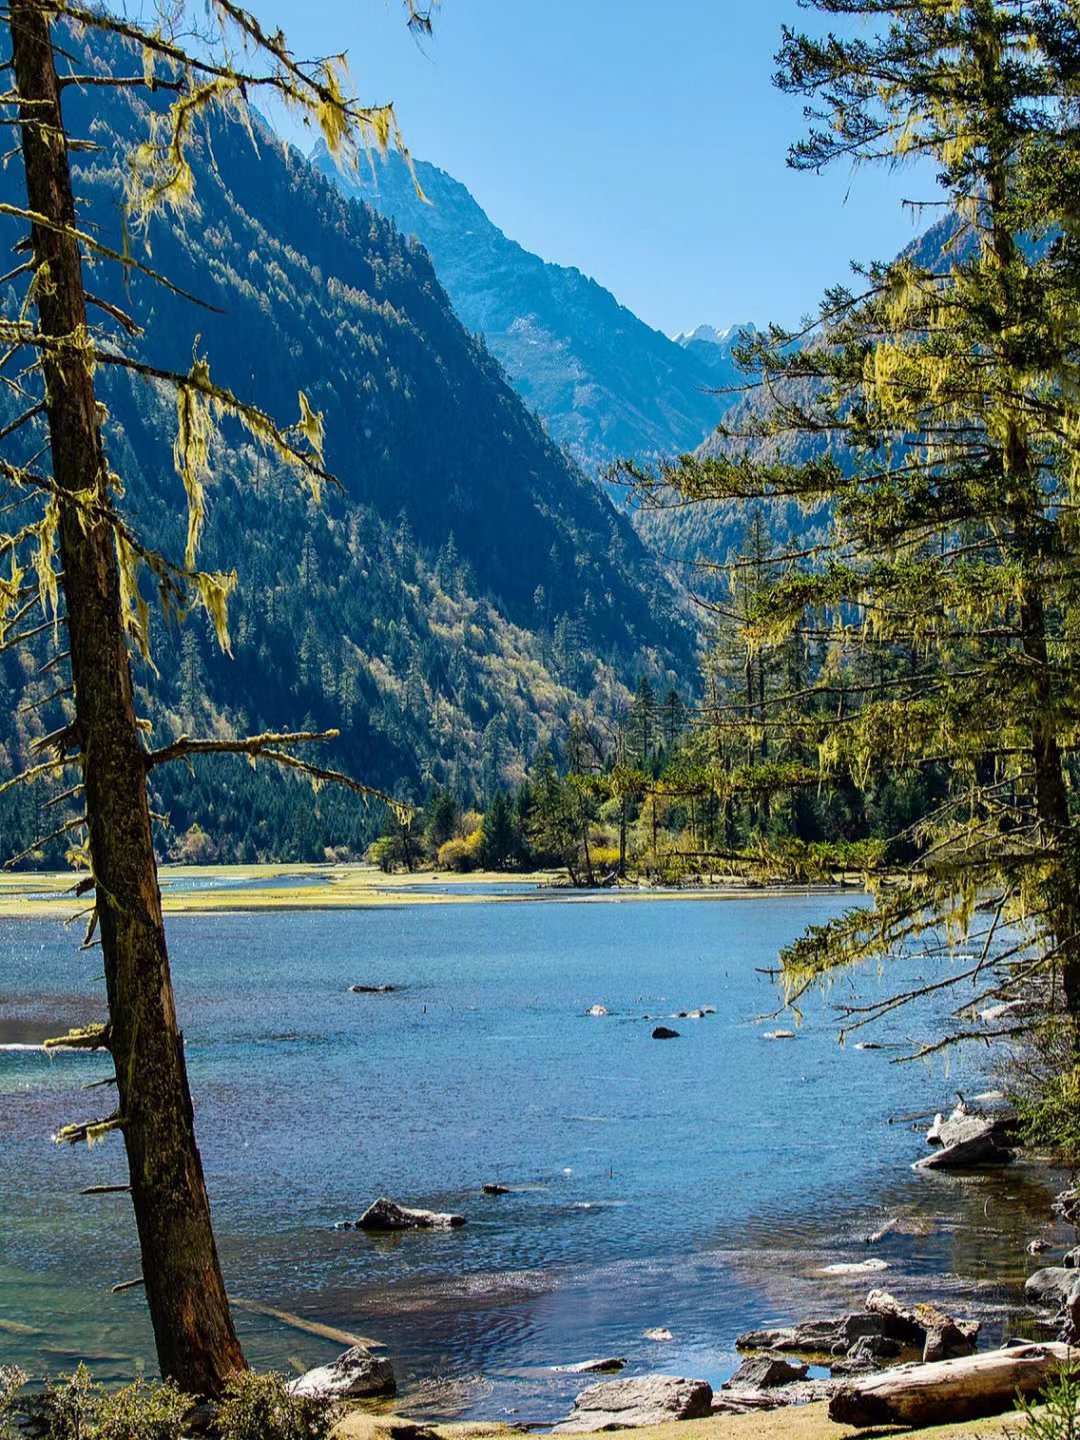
{"x": 79, "y": 560}
{"x": 937, "y": 402}
{"x": 673, "y": 718}
{"x": 500, "y": 841}
{"x": 641, "y": 736}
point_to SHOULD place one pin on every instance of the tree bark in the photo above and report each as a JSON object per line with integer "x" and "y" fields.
{"x": 196, "y": 1342}
{"x": 952, "y": 1390}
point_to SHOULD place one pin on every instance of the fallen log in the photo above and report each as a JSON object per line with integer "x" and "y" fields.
{"x": 948, "y": 1390}
{"x": 309, "y": 1327}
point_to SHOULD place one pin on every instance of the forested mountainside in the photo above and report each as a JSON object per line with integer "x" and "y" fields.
{"x": 606, "y": 384}
{"x": 465, "y": 592}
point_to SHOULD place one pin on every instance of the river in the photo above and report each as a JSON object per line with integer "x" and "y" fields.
{"x": 701, "y": 1184}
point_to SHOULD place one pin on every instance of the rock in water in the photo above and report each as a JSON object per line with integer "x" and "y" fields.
{"x": 355, "y": 1375}
{"x": 815, "y": 1337}
{"x": 646, "y": 1400}
{"x": 865, "y": 1355}
{"x": 764, "y": 1372}
{"x": 977, "y": 1149}
{"x": 373, "y": 989}
{"x": 494, "y": 1188}
{"x": 663, "y": 1033}
{"x": 593, "y": 1367}
{"x": 387, "y": 1215}
{"x": 1052, "y": 1285}
{"x": 658, "y": 1333}
{"x": 941, "y": 1337}
{"x": 964, "y": 1124}
{"x": 597, "y": 1010}
{"x": 779, "y": 1035}
{"x": 1071, "y": 1259}
{"x": 853, "y": 1267}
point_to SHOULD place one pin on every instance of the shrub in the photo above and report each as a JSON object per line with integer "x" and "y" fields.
{"x": 1056, "y": 1417}
{"x": 79, "y": 1409}
{"x": 154, "y": 1410}
{"x": 460, "y": 855}
{"x": 12, "y": 1380}
{"x": 605, "y": 857}
{"x": 261, "y": 1407}
{"x": 387, "y": 853}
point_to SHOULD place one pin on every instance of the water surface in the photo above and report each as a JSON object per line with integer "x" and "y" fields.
{"x": 699, "y": 1184}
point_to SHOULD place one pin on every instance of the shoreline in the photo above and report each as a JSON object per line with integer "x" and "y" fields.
{"x": 225, "y": 889}
{"x": 790, "y": 1422}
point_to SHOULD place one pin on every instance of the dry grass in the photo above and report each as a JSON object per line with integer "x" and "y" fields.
{"x": 793, "y": 1422}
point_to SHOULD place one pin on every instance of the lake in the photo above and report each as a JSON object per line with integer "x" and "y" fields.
{"x": 700, "y": 1184}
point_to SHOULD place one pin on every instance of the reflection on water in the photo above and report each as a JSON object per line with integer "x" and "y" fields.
{"x": 694, "y": 1185}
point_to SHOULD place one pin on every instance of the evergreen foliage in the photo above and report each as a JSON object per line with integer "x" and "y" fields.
{"x": 394, "y": 611}
{"x": 923, "y": 650}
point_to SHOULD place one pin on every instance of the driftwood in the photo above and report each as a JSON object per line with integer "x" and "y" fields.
{"x": 949, "y": 1390}
{"x": 309, "y": 1327}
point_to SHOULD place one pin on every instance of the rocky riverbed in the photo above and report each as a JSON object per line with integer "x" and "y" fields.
{"x": 904, "y": 1321}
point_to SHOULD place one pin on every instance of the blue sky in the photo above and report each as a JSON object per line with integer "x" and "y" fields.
{"x": 639, "y": 140}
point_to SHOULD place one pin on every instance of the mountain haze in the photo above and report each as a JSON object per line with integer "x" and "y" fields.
{"x": 606, "y": 384}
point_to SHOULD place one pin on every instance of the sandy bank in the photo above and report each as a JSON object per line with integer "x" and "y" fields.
{"x": 194, "y": 890}
{"x": 793, "y": 1422}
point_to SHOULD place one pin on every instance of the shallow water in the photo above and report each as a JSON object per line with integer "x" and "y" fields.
{"x": 696, "y": 1184}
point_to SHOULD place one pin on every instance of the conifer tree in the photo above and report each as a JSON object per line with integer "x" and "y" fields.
{"x": 77, "y": 564}
{"x": 642, "y": 734}
{"x": 936, "y": 400}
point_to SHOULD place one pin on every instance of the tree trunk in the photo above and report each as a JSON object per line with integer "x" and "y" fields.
{"x": 589, "y": 877}
{"x": 952, "y": 1390}
{"x": 196, "y": 1342}
{"x": 1051, "y": 797}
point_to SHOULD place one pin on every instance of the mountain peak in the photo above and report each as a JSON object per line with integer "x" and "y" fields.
{"x": 604, "y": 382}
{"x": 710, "y": 335}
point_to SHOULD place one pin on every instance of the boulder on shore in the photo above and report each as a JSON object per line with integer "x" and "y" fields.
{"x": 386, "y": 1214}
{"x": 645, "y": 1400}
{"x": 765, "y": 1372}
{"x": 941, "y": 1337}
{"x": 353, "y": 1376}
